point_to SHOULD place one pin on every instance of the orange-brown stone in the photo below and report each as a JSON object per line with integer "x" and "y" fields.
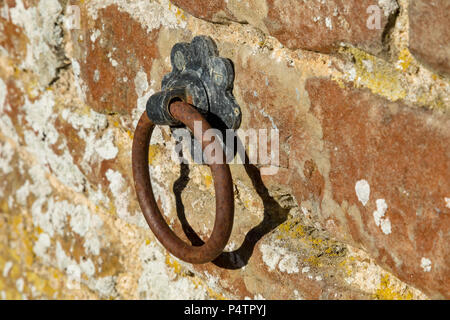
{"x": 110, "y": 64}
{"x": 403, "y": 155}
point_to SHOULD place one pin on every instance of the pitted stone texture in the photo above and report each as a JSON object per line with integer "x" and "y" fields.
{"x": 323, "y": 25}
{"x": 312, "y": 25}
{"x": 111, "y": 50}
{"x": 210, "y": 10}
{"x": 403, "y": 155}
{"x": 429, "y": 33}
{"x": 278, "y": 249}
{"x": 40, "y": 52}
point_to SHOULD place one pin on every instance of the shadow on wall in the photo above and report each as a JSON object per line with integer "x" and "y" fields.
{"x": 240, "y": 257}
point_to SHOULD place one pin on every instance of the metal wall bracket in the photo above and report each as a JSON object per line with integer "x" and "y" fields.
{"x": 201, "y": 78}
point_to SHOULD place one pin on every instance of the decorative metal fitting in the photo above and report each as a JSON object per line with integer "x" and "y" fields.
{"x": 199, "y": 89}
{"x": 201, "y": 78}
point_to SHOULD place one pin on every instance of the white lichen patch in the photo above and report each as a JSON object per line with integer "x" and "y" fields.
{"x": 121, "y": 194}
{"x": 52, "y": 221}
{"x": 6, "y": 124}
{"x": 91, "y": 129}
{"x": 143, "y": 92}
{"x": 6, "y": 155}
{"x": 379, "y": 216}
{"x": 447, "y": 202}
{"x": 113, "y": 62}
{"x": 96, "y": 75}
{"x": 105, "y": 147}
{"x": 368, "y": 65}
{"x": 87, "y": 267}
{"x": 41, "y": 25}
{"x": 328, "y": 23}
{"x": 362, "y": 189}
{"x": 365, "y": 275}
{"x": 150, "y": 14}
{"x": 59, "y": 214}
{"x": 3, "y": 93}
{"x": 80, "y": 86}
{"x": 275, "y": 256}
{"x": 95, "y": 34}
{"x": 297, "y": 295}
{"x": 388, "y": 6}
{"x": 20, "y": 283}
{"x": 40, "y": 187}
{"x": 105, "y": 286}
{"x": 53, "y": 217}
{"x": 22, "y": 193}
{"x": 156, "y": 274}
{"x": 425, "y": 263}
{"x": 41, "y": 247}
{"x": 7, "y": 268}
{"x": 40, "y": 116}
{"x": 160, "y": 185}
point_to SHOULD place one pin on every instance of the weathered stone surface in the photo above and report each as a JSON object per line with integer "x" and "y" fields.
{"x": 104, "y": 42}
{"x": 312, "y": 25}
{"x": 429, "y": 33}
{"x": 323, "y": 25}
{"x": 66, "y": 186}
{"x": 211, "y": 10}
{"x": 403, "y": 155}
{"x": 45, "y": 54}
{"x": 398, "y": 152}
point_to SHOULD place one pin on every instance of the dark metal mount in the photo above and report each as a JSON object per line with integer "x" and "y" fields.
{"x": 201, "y": 78}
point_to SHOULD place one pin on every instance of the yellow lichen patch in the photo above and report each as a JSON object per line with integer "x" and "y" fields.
{"x": 438, "y": 103}
{"x": 314, "y": 261}
{"x": 318, "y": 251}
{"x": 32, "y": 89}
{"x": 176, "y": 267}
{"x": 41, "y": 285}
{"x": 291, "y": 229}
{"x": 215, "y": 295}
{"x": 387, "y": 292}
{"x": 180, "y": 14}
{"x": 294, "y": 229}
{"x": 56, "y": 275}
{"x": 211, "y": 293}
{"x": 16, "y": 223}
{"x": 112, "y": 208}
{"x": 208, "y": 180}
{"x": 4, "y": 206}
{"x": 12, "y": 294}
{"x": 173, "y": 264}
{"x": 339, "y": 81}
{"x": 15, "y": 272}
{"x": 28, "y": 254}
{"x": 376, "y": 74}
{"x": 153, "y": 151}
{"x": 344, "y": 264}
{"x": 404, "y": 60}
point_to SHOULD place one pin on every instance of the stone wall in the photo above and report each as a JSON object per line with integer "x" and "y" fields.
{"x": 359, "y": 91}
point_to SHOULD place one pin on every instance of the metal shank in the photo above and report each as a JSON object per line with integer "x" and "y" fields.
{"x": 222, "y": 183}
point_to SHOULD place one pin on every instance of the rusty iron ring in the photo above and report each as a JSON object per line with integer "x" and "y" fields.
{"x": 223, "y": 185}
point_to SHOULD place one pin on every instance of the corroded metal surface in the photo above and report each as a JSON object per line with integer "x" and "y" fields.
{"x": 222, "y": 183}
